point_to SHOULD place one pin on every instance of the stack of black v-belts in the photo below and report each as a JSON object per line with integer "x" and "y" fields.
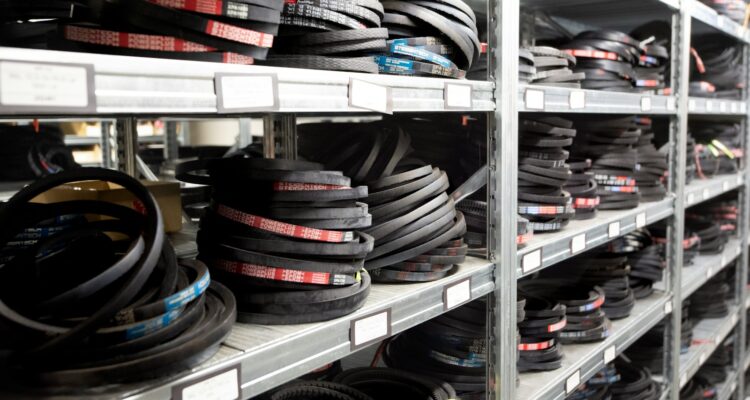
{"x": 286, "y": 237}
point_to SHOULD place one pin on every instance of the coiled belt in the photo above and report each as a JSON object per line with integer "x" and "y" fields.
{"x": 381, "y": 383}
{"x": 548, "y": 66}
{"x": 646, "y": 260}
{"x": 136, "y": 314}
{"x": 284, "y": 237}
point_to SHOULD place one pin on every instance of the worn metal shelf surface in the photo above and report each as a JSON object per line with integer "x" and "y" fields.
{"x": 587, "y": 359}
{"x": 704, "y": 106}
{"x": 537, "y": 98}
{"x": 700, "y": 190}
{"x": 9, "y": 188}
{"x": 707, "y": 266}
{"x": 148, "y": 86}
{"x": 707, "y": 336}
{"x": 272, "y": 355}
{"x": 552, "y": 248}
{"x": 708, "y": 16}
{"x": 725, "y": 389}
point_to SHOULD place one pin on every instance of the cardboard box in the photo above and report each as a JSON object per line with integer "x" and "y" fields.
{"x": 167, "y": 195}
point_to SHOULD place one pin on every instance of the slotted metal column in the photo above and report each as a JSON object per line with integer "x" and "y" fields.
{"x": 502, "y": 189}
{"x": 127, "y": 145}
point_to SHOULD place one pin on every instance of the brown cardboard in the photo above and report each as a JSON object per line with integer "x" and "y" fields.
{"x": 167, "y": 195}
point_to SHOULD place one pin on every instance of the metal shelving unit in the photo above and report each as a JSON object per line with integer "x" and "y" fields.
{"x": 126, "y": 88}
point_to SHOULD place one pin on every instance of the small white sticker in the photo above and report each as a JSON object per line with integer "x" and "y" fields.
{"x": 734, "y": 319}
{"x": 743, "y": 108}
{"x": 720, "y": 21}
{"x": 578, "y": 243}
{"x": 640, "y": 220}
{"x": 718, "y": 339}
{"x": 613, "y": 230}
{"x": 645, "y": 103}
{"x": 709, "y": 105}
{"x": 572, "y": 382}
{"x": 710, "y": 272}
{"x": 237, "y": 93}
{"x": 456, "y": 294}
{"x": 458, "y": 96}
{"x": 733, "y": 386}
{"x": 671, "y": 103}
{"x": 683, "y": 378}
{"x": 577, "y": 100}
{"x": 531, "y": 261}
{"x": 747, "y": 302}
{"x": 224, "y": 386}
{"x": 723, "y": 107}
{"x": 367, "y": 330}
{"x": 609, "y": 354}
{"x": 534, "y": 99}
{"x": 725, "y": 186}
{"x": 690, "y": 198}
{"x": 737, "y": 250}
{"x": 739, "y": 179}
{"x": 692, "y": 105}
{"x": 370, "y": 96}
{"x": 723, "y": 260}
{"x": 702, "y": 359}
{"x": 668, "y": 307}
{"x": 734, "y": 107}
{"x": 706, "y": 194}
{"x": 44, "y": 85}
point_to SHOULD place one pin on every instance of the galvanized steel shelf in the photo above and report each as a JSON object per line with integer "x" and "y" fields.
{"x": 582, "y": 361}
{"x": 538, "y": 98}
{"x": 708, "y": 334}
{"x": 706, "y": 15}
{"x": 706, "y": 106}
{"x": 725, "y": 389}
{"x": 705, "y": 267}
{"x": 547, "y": 249}
{"x": 700, "y": 190}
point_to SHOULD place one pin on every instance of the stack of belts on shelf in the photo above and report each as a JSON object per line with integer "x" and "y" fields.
{"x": 548, "y": 66}
{"x": 646, "y": 260}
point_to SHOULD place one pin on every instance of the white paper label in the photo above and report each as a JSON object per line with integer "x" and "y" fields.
{"x": 706, "y": 193}
{"x": 737, "y": 250}
{"x": 739, "y": 179}
{"x": 369, "y": 96}
{"x": 534, "y": 99}
{"x": 613, "y": 230}
{"x": 370, "y": 328}
{"x": 219, "y": 387}
{"x": 43, "y": 85}
{"x": 572, "y": 382}
{"x": 702, "y": 358}
{"x": 640, "y": 220}
{"x": 577, "y": 100}
{"x": 691, "y": 105}
{"x": 709, "y": 105}
{"x": 723, "y": 260}
{"x": 718, "y": 339}
{"x": 645, "y": 104}
{"x": 690, "y": 198}
{"x": 743, "y": 108}
{"x": 725, "y": 186}
{"x": 578, "y": 243}
{"x": 747, "y": 302}
{"x": 668, "y": 307}
{"x": 720, "y": 21}
{"x": 239, "y": 92}
{"x": 683, "y": 378}
{"x": 734, "y": 319}
{"x": 671, "y": 103}
{"x": 734, "y": 108}
{"x": 458, "y": 96}
{"x": 723, "y": 106}
{"x": 609, "y": 354}
{"x": 456, "y": 294}
{"x": 531, "y": 261}
{"x": 710, "y": 272}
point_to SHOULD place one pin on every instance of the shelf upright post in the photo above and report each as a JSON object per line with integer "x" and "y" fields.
{"x": 741, "y": 274}
{"x": 127, "y": 145}
{"x": 681, "y": 21}
{"x": 503, "y": 159}
{"x": 107, "y": 156}
{"x": 171, "y": 144}
{"x": 284, "y": 128}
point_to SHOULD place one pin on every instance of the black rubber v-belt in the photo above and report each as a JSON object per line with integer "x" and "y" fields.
{"x": 645, "y": 259}
{"x": 380, "y": 383}
{"x": 550, "y": 67}
{"x": 306, "y": 389}
{"x": 144, "y": 316}
{"x": 635, "y": 382}
{"x": 281, "y": 234}
{"x": 710, "y": 300}
{"x": 712, "y": 239}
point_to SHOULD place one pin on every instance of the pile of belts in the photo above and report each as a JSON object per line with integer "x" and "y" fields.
{"x": 734, "y": 9}
{"x": 724, "y": 211}
{"x": 710, "y": 300}
{"x": 712, "y": 238}
{"x": 714, "y": 372}
{"x": 429, "y": 38}
{"x": 548, "y": 66}
{"x": 543, "y": 172}
{"x": 28, "y": 153}
{"x": 230, "y": 32}
{"x": 690, "y": 241}
{"x": 450, "y": 348}
{"x": 653, "y": 67}
{"x": 648, "y": 350}
{"x": 646, "y": 260}
{"x": 620, "y": 380}
{"x": 606, "y": 272}
{"x": 366, "y": 384}
{"x": 652, "y": 169}
{"x": 716, "y": 69}
{"x": 128, "y": 310}
{"x": 586, "y": 319}
{"x": 608, "y": 60}
{"x": 286, "y": 236}
{"x": 611, "y": 143}
{"x": 718, "y": 148}
{"x": 539, "y": 330}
